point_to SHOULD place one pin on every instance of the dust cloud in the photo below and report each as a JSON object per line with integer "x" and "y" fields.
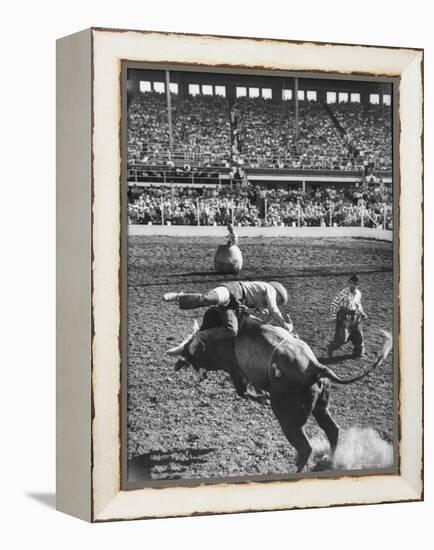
{"x": 358, "y": 448}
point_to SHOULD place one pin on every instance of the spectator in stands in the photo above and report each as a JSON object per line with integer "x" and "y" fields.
{"x": 257, "y": 206}
{"x": 259, "y": 132}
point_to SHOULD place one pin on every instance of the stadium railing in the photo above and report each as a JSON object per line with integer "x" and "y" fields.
{"x": 141, "y": 173}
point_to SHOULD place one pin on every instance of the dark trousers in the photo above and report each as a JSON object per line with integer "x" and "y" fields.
{"x": 343, "y": 334}
{"x": 195, "y": 300}
{"x": 220, "y": 325}
{"x": 221, "y": 317}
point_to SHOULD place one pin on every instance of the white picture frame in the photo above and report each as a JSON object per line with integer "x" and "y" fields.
{"x": 89, "y": 301}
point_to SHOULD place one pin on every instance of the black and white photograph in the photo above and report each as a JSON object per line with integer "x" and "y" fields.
{"x": 259, "y": 224}
{"x": 217, "y": 231}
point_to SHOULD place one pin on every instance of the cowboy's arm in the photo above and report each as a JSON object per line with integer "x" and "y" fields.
{"x": 273, "y": 310}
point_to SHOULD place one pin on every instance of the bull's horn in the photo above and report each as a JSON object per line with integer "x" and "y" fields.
{"x": 177, "y": 350}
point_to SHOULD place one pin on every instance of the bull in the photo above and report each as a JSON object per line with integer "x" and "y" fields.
{"x": 277, "y": 362}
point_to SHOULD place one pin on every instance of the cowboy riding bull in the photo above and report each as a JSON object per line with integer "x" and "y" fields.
{"x": 276, "y": 361}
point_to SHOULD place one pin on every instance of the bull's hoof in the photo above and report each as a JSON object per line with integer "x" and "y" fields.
{"x": 322, "y": 464}
{"x": 253, "y": 392}
{"x": 261, "y": 399}
{"x": 254, "y": 395}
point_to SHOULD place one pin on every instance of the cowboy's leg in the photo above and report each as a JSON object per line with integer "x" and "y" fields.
{"x": 338, "y": 337}
{"x": 229, "y": 320}
{"x": 215, "y": 297}
{"x": 211, "y": 319}
{"x": 230, "y": 327}
{"x": 222, "y": 330}
{"x": 230, "y": 323}
{"x": 357, "y": 339}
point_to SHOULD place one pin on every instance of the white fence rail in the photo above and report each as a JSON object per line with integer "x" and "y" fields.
{"x": 220, "y": 231}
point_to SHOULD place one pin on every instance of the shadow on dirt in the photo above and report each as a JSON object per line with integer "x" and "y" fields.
{"x": 244, "y": 276}
{"x": 165, "y": 464}
{"x": 196, "y": 274}
{"x": 336, "y": 359}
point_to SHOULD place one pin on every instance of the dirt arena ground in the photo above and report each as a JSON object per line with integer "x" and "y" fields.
{"x": 178, "y": 429}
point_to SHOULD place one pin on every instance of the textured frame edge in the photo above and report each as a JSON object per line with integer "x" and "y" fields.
{"x": 107, "y": 501}
{"x": 73, "y": 275}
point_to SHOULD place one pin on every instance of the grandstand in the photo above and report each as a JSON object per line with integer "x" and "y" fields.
{"x": 325, "y": 145}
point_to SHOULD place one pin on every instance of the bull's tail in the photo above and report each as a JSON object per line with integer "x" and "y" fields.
{"x": 328, "y": 373}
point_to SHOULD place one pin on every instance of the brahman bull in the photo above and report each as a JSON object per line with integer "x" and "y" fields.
{"x": 273, "y": 360}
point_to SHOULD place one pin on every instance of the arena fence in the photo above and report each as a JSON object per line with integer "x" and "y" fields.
{"x": 220, "y": 231}
{"x": 204, "y": 212}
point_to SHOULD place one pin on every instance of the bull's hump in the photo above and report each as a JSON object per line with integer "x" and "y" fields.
{"x": 276, "y": 334}
{"x": 281, "y": 341}
{"x": 253, "y": 326}
{"x": 263, "y": 332}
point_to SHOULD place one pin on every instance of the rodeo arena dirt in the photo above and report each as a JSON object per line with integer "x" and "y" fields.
{"x": 244, "y": 178}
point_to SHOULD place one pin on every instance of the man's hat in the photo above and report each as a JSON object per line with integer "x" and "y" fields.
{"x": 354, "y": 279}
{"x": 281, "y": 291}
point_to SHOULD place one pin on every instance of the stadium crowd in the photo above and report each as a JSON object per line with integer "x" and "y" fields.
{"x": 260, "y": 133}
{"x": 200, "y": 128}
{"x": 367, "y": 132}
{"x": 210, "y": 134}
{"x": 264, "y": 132}
{"x": 260, "y": 206}
{"x": 148, "y": 127}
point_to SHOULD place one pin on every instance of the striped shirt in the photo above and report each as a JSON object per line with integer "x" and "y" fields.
{"x": 347, "y": 300}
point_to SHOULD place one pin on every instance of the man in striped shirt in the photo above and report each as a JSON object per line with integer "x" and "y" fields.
{"x": 347, "y": 312}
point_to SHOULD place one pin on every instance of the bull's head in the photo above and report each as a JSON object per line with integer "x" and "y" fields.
{"x": 187, "y": 351}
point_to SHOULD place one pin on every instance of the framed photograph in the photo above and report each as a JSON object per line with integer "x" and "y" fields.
{"x": 239, "y": 274}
